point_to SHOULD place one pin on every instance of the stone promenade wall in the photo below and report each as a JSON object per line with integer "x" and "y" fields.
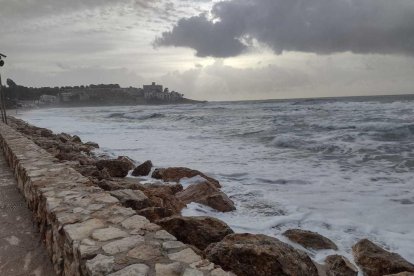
{"x": 86, "y": 231}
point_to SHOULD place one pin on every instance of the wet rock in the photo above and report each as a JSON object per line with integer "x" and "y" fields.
{"x": 164, "y": 197}
{"x": 93, "y": 172}
{"x": 76, "y": 139}
{"x": 45, "y": 132}
{"x": 248, "y": 254}
{"x": 116, "y": 168}
{"x": 119, "y": 184}
{"x": 337, "y": 265}
{"x": 132, "y": 198}
{"x": 143, "y": 170}
{"x": 74, "y": 156}
{"x": 155, "y": 213}
{"x": 129, "y": 161}
{"x": 219, "y": 201}
{"x": 174, "y": 174}
{"x": 373, "y": 260}
{"x": 310, "y": 240}
{"x": 207, "y": 194}
{"x": 92, "y": 145}
{"x": 63, "y": 137}
{"x": 197, "y": 231}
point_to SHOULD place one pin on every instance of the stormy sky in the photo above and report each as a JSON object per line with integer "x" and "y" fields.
{"x": 211, "y": 49}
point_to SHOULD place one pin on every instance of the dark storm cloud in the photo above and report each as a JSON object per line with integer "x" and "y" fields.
{"x": 315, "y": 26}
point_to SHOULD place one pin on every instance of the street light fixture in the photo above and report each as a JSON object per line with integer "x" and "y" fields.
{"x": 1, "y": 59}
{"x": 2, "y": 98}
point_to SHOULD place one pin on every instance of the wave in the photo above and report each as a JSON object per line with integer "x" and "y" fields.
{"x": 133, "y": 116}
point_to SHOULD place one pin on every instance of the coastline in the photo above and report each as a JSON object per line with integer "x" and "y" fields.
{"x": 78, "y": 159}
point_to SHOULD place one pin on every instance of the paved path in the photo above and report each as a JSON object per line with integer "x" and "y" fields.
{"x": 21, "y": 250}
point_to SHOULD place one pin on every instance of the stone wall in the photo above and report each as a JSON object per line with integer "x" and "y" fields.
{"x": 86, "y": 231}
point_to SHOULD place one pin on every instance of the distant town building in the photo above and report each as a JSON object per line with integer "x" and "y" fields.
{"x": 47, "y": 99}
{"x": 156, "y": 92}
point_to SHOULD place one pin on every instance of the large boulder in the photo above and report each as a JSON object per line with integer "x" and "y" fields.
{"x": 119, "y": 184}
{"x": 375, "y": 261}
{"x": 92, "y": 171}
{"x": 310, "y": 240}
{"x": 135, "y": 199}
{"x": 197, "y": 231}
{"x": 174, "y": 174}
{"x": 45, "y": 132}
{"x": 164, "y": 197}
{"x": 248, "y": 254}
{"x": 155, "y": 213}
{"x": 92, "y": 145}
{"x": 75, "y": 156}
{"x": 76, "y": 139}
{"x": 337, "y": 265}
{"x": 129, "y": 161}
{"x": 116, "y": 168}
{"x": 207, "y": 194}
{"x": 143, "y": 170}
{"x": 64, "y": 137}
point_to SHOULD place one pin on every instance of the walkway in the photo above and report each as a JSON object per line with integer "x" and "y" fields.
{"x": 21, "y": 250}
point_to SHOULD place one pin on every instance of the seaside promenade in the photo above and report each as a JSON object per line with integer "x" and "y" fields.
{"x": 21, "y": 249}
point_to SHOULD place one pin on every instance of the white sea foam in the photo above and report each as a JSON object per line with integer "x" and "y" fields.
{"x": 340, "y": 168}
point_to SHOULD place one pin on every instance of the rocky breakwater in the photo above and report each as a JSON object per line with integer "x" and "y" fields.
{"x": 150, "y": 227}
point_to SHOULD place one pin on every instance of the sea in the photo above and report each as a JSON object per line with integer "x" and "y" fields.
{"x": 342, "y": 167}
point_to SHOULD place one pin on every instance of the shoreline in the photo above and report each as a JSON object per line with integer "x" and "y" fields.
{"x": 299, "y": 235}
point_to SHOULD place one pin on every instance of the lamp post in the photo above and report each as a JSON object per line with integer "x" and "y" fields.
{"x": 2, "y": 97}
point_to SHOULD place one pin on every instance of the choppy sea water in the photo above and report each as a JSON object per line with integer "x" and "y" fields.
{"x": 340, "y": 167}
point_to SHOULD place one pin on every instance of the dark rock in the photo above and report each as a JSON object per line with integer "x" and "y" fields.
{"x": 109, "y": 185}
{"x": 92, "y": 145}
{"x": 374, "y": 261}
{"x": 76, "y": 139}
{"x": 155, "y": 213}
{"x": 135, "y": 199}
{"x": 402, "y": 274}
{"x": 74, "y": 156}
{"x": 116, "y": 168}
{"x": 164, "y": 197}
{"x": 143, "y": 170}
{"x": 171, "y": 189}
{"x": 129, "y": 161}
{"x": 207, "y": 194}
{"x": 119, "y": 184}
{"x": 219, "y": 201}
{"x": 45, "y": 132}
{"x": 248, "y": 254}
{"x": 93, "y": 171}
{"x": 174, "y": 174}
{"x": 337, "y": 265}
{"x": 197, "y": 231}
{"x": 64, "y": 137}
{"x": 310, "y": 240}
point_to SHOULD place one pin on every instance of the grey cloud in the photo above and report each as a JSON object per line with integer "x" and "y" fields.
{"x": 207, "y": 38}
{"x": 315, "y": 26}
{"x": 26, "y": 9}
